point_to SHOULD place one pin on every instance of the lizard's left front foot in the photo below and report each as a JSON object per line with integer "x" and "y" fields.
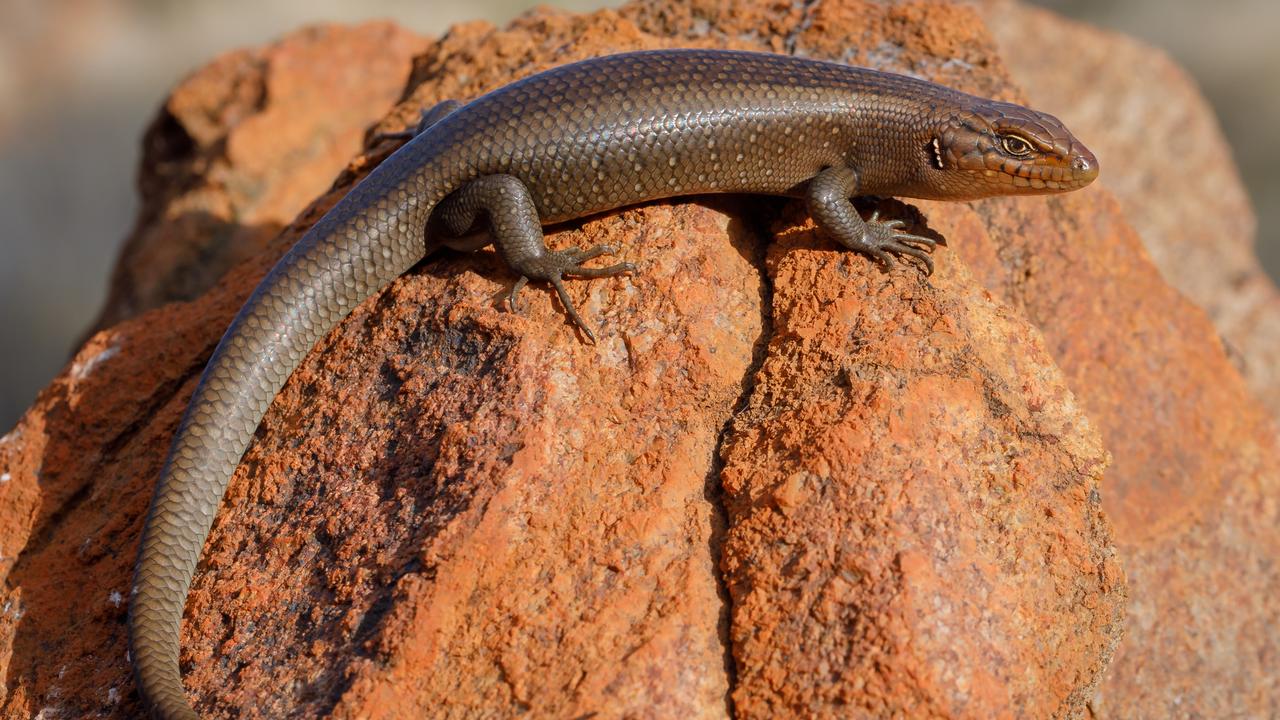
{"x": 828, "y": 198}
{"x": 552, "y": 266}
{"x": 883, "y": 240}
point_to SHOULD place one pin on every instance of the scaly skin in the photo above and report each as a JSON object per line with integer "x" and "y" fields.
{"x": 569, "y": 142}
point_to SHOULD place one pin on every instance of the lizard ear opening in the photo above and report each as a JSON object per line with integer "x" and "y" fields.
{"x": 937, "y": 154}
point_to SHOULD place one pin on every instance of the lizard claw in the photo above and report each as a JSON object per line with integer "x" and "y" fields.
{"x": 884, "y": 239}
{"x": 515, "y": 290}
{"x": 554, "y": 265}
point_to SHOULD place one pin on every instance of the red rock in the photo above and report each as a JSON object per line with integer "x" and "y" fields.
{"x": 915, "y": 524}
{"x": 453, "y": 510}
{"x": 1168, "y": 165}
{"x": 1193, "y": 487}
{"x": 241, "y": 147}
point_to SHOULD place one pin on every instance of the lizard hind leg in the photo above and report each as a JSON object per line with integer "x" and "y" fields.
{"x": 517, "y": 233}
{"x": 435, "y": 114}
{"x": 428, "y": 118}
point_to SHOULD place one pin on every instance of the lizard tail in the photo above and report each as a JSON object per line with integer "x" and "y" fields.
{"x": 348, "y": 256}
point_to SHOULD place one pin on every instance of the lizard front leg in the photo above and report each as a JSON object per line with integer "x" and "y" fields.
{"x": 828, "y": 198}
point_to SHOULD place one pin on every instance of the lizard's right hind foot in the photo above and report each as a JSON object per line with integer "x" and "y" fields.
{"x": 513, "y": 223}
{"x": 552, "y": 266}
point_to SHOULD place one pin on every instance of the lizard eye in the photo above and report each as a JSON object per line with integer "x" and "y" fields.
{"x": 1015, "y": 145}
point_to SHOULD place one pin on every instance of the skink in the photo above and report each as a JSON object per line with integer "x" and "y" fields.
{"x": 573, "y": 141}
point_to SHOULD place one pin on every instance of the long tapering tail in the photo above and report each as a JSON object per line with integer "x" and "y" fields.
{"x": 367, "y": 240}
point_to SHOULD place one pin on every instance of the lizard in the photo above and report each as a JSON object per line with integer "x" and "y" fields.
{"x": 573, "y": 141}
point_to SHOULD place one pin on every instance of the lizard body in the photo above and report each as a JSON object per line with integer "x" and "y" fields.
{"x": 572, "y": 141}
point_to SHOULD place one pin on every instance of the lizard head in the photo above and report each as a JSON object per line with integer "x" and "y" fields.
{"x": 997, "y": 148}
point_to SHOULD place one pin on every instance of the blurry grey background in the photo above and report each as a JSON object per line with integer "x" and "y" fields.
{"x": 79, "y": 80}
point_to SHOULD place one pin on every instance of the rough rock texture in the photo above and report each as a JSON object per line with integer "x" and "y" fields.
{"x": 1167, "y": 163}
{"x": 241, "y": 147}
{"x": 1193, "y": 489}
{"x": 784, "y": 481}
{"x": 912, "y": 479}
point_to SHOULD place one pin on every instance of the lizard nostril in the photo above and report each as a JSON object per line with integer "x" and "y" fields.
{"x": 1085, "y": 167}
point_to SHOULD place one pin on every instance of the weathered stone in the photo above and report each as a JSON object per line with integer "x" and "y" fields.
{"x": 784, "y": 481}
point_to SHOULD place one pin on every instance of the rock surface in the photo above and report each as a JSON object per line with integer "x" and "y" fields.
{"x": 1168, "y": 165}
{"x": 241, "y": 147}
{"x": 1193, "y": 488}
{"x": 915, "y": 525}
{"x": 784, "y": 481}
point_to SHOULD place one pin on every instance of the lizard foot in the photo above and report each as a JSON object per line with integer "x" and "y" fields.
{"x": 883, "y": 239}
{"x": 552, "y": 266}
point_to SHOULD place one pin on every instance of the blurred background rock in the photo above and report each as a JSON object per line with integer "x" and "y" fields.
{"x": 79, "y": 80}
